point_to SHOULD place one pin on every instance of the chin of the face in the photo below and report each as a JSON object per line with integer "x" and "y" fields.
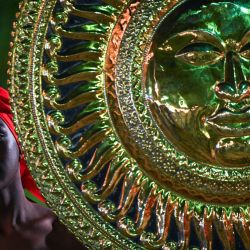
{"x": 182, "y": 128}
{"x": 184, "y": 131}
{"x": 232, "y": 152}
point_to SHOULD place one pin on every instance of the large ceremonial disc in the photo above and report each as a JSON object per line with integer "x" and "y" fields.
{"x": 134, "y": 117}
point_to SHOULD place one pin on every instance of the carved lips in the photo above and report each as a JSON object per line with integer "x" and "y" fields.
{"x": 230, "y": 124}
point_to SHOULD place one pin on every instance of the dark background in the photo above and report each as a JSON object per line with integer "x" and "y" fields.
{"x": 8, "y": 9}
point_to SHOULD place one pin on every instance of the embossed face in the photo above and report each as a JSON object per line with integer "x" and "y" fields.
{"x": 198, "y": 83}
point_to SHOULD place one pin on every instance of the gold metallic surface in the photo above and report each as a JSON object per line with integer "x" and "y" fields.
{"x": 81, "y": 99}
{"x": 85, "y": 56}
{"x": 78, "y": 124}
{"x": 85, "y": 145}
{"x": 90, "y": 15}
{"x": 79, "y": 35}
{"x": 96, "y": 129}
{"x": 84, "y": 76}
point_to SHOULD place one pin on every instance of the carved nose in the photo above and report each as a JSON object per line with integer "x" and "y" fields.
{"x": 226, "y": 91}
{"x": 235, "y": 87}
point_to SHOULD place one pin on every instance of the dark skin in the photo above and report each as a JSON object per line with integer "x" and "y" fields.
{"x": 25, "y": 225}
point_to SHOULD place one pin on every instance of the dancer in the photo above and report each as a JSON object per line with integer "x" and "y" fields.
{"x": 24, "y": 225}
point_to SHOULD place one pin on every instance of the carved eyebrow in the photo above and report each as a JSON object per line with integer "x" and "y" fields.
{"x": 185, "y": 38}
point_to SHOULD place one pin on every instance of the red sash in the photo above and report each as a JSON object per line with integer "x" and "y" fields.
{"x": 6, "y": 115}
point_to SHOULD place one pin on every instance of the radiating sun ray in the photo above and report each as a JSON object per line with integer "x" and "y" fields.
{"x": 96, "y": 161}
{"x": 98, "y": 14}
{"x": 82, "y": 95}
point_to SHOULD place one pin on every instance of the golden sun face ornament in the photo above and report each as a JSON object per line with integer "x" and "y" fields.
{"x": 134, "y": 117}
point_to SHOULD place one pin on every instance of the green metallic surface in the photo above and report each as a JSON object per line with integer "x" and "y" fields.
{"x": 119, "y": 128}
{"x": 206, "y": 94}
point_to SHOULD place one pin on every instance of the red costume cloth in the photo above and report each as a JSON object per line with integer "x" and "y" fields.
{"x": 6, "y": 115}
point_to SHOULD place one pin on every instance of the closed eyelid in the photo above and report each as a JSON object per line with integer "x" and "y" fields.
{"x": 186, "y": 38}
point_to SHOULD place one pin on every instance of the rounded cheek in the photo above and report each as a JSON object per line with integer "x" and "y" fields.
{"x": 185, "y": 86}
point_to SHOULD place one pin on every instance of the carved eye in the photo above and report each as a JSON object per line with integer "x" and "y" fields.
{"x": 199, "y": 54}
{"x": 245, "y": 51}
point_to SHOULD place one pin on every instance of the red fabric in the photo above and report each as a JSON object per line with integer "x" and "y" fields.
{"x": 6, "y": 116}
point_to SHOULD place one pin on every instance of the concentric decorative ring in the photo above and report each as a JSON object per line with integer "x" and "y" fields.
{"x": 125, "y": 158}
